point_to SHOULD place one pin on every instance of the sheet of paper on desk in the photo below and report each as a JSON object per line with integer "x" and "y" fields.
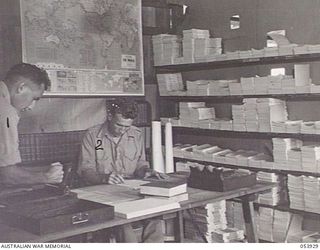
{"x": 132, "y": 209}
{"x": 133, "y": 184}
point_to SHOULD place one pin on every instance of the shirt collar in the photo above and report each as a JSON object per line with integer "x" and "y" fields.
{"x": 105, "y": 132}
{"x": 4, "y": 92}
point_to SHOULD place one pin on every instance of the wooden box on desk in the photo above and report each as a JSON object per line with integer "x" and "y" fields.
{"x": 57, "y": 213}
{"x": 220, "y": 180}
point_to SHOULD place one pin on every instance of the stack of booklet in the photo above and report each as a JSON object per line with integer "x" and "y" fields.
{"x": 265, "y": 224}
{"x": 195, "y": 43}
{"x": 272, "y": 197}
{"x": 234, "y": 214}
{"x": 212, "y": 223}
{"x": 169, "y": 83}
{"x": 281, "y": 147}
{"x": 310, "y": 158}
{"x": 295, "y": 159}
{"x": 165, "y": 48}
{"x": 239, "y": 119}
{"x": 281, "y": 221}
{"x": 311, "y": 189}
{"x": 193, "y": 112}
{"x": 296, "y": 192}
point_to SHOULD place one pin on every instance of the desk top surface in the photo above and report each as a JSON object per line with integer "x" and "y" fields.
{"x": 197, "y": 198}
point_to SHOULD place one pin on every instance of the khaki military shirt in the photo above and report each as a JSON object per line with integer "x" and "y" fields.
{"x": 9, "y": 140}
{"x": 101, "y": 153}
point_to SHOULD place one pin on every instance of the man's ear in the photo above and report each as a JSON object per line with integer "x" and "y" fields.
{"x": 21, "y": 88}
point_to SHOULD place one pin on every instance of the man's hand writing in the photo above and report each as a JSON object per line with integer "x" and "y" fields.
{"x": 115, "y": 179}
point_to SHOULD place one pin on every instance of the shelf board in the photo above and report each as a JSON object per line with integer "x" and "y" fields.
{"x": 277, "y": 171}
{"x": 242, "y": 134}
{"x": 239, "y": 98}
{"x": 237, "y": 63}
{"x": 281, "y": 207}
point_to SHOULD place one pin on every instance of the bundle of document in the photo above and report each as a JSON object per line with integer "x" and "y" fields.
{"x": 169, "y": 83}
{"x": 281, "y": 147}
{"x": 193, "y": 112}
{"x": 310, "y": 158}
{"x": 265, "y": 219}
{"x": 239, "y": 118}
{"x": 234, "y": 215}
{"x": 281, "y": 221}
{"x": 165, "y": 48}
{"x": 295, "y": 159}
{"x": 311, "y": 189}
{"x": 212, "y": 222}
{"x": 272, "y": 197}
{"x": 296, "y": 192}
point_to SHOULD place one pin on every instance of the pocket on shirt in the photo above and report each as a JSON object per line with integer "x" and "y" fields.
{"x": 131, "y": 151}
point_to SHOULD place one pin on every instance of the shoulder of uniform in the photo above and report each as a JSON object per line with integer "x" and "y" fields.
{"x": 135, "y": 129}
{"x": 94, "y": 129}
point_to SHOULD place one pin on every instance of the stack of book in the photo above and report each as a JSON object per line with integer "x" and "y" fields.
{"x": 198, "y": 88}
{"x": 169, "y": 83}
{"x": 165, "y": 48}
{"x": 272, "y": 197}
{"x": 295, "y": 159}
{"x": 247, "y": 85}
{"x": 270, "y": 110}
{"x": 281, "y": 221}
{"x": 296, "y": 192}
{"x": 193, "y": 112}
{"x": 227, "y": 235}
{"x": 208, "y": 219}
{"x": 251, "y": 114}
{"x": 168, "y": 190}
{"x": 281, "y": 147}
{"x": 195, "y": 41}
{"x": 239, "y": 119}
{"x": 265, "y": 224}
{"x": 310, "y": 158}
{"x": 311, "y": 189}
{"x": 234, "y": 215}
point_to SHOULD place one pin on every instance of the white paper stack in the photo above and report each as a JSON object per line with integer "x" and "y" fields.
{"x": 281, "y": 146}
{"x": 281, "y": 222}
{"x": 295, "y": 159}
{"x": 208, "y": 219}
{"x": 169, "y": 83}
{"x": 215, "y": 46}
{"x": 311, "y": 189}
{"x": 308, "y": 128}
{"x": 278, "y": 127}
{"x": 288, "y": 85}
{"x": 265, "y": 224}
{"x": 310, "y": 157}
{"x": 256, "y": 161}
{"x": 275, "y": 86}
{"x": 235, "y": 88}
{"x": 296, "y": 192}
{"x": 261, "y": 85}
{"x": 247, "y": 85}
{"x": 302, "y": 74}
{"x": 165, "y": 48}
{"x": 270, "y": 110}
{"x": 272, "y": 197}
{"x": 243, "y": 157}
{"x": 315, "y": 88}
{"x": 227, "y": 235}
{"x": 182, "y": 167}
{"x": 195, "y": 40}
{"x": 293, "y": 126}
{"x": 251, "y": 114}
{"x": 239, "y": 119}
{"x": 198, "y": 88}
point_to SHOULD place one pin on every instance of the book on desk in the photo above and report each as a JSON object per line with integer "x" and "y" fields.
{"x": 163, "y": 188}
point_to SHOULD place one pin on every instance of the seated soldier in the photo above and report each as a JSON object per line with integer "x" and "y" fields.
{"x": 113, "y": 151}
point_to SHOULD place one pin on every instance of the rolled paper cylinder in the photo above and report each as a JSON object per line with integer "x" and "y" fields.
{"x": 169, "y": 167}
{"x": 157, "y": 157}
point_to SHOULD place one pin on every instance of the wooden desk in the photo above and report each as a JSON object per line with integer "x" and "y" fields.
{"x": 197, "y": 198}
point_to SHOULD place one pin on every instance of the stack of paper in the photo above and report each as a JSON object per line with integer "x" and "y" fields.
{"x": 251, "y": 114}
{"x": 281, "y": 222}
{"x": 311, "y": 190}
{"x": 182, "y": 167}
{"x": 275, "y": 86}
{"x": 315, "y": 88}
{"x": 278, "y": 127}
{"x": 247, "y": 85}
{"x": 295, "y": 159}
{"x": 235, "y": 88}
{"x": 165, "y": 48}
{"x": 169, "y": 83}
{"x": 296, "y": 192}
{"x": 261, "y": 85}
{"x": 270, "y": 110}
{"x": 234, "y": 215}
{"x": 293, "y": 126}
{"x": 208, "y": 219}
{"x": 265, "y": 224}
{"x": 310, "y": 157}
{"x": 288, "y": 85}
{"x": 192, "y": 113}
{"x": 198, "y": 88}
{"x": 243, "y": 157}
{"x": 227, "y": 235}
{"x": 308, "y": 128}
{"x": 195, "y": 41}
{"x": 281, "y": 146}
{"x": 239, "y": 119}
{"x": 215, "y": 46}
{"x": 302, "y": 74}
{"x": 257, "y": 161}
{"x": 272, "y": 197}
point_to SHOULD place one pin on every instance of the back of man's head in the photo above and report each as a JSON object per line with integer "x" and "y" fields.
{"x": 27, "y": 71}
{"x": 126, "y": 107}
